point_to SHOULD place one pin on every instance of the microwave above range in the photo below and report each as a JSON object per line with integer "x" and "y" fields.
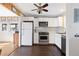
{"x": 43, "y": 24}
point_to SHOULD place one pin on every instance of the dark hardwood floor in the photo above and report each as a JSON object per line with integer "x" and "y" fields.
{"x": 37, "y": 50}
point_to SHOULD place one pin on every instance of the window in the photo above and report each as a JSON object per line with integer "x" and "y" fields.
{"x": 4, "y": 27}
{"x": 76, "y": 15}
{"x": 13, "y": 27}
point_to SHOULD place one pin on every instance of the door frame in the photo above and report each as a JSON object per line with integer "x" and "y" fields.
{"x": 32, "y": 32}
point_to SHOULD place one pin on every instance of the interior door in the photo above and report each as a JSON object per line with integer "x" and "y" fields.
{"x": 27, "y": 28}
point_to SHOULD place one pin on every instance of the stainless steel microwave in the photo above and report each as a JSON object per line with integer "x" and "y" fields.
{"x": 43, "y": 24}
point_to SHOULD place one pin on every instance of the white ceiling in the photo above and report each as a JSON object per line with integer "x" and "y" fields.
{"x": 54, "y": 9}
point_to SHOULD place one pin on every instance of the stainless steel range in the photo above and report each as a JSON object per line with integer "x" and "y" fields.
{"x": 43, "y": 37}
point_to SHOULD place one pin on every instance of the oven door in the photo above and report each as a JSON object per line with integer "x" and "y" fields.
{"x": 43, "y": 38}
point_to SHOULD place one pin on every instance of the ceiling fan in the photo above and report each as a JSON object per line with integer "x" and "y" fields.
{"x": 40, "y": 7}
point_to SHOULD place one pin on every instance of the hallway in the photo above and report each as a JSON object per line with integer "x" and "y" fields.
{"x": 37, "y": 50}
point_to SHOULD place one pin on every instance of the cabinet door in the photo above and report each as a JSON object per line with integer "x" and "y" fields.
{"x": 16, "y": 39}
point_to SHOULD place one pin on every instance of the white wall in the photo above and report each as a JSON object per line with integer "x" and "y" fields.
{"x": 6, "y": 36}
{"x": 72, "y": 28}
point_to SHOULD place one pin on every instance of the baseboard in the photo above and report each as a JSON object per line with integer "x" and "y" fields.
{"x": 41, "y": 44}
{"x": 59, "y": 49}
{"x": 26, "y": 45}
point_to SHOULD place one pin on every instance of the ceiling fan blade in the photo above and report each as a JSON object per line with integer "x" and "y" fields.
{"x": 34, "y": 9}
{"x": 36, "y": 5}
{"x": 45, "y": 10}
{"x": 45, "y": 5}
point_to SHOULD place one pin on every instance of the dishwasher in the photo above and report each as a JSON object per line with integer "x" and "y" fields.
{"x": 63, "y": 44}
